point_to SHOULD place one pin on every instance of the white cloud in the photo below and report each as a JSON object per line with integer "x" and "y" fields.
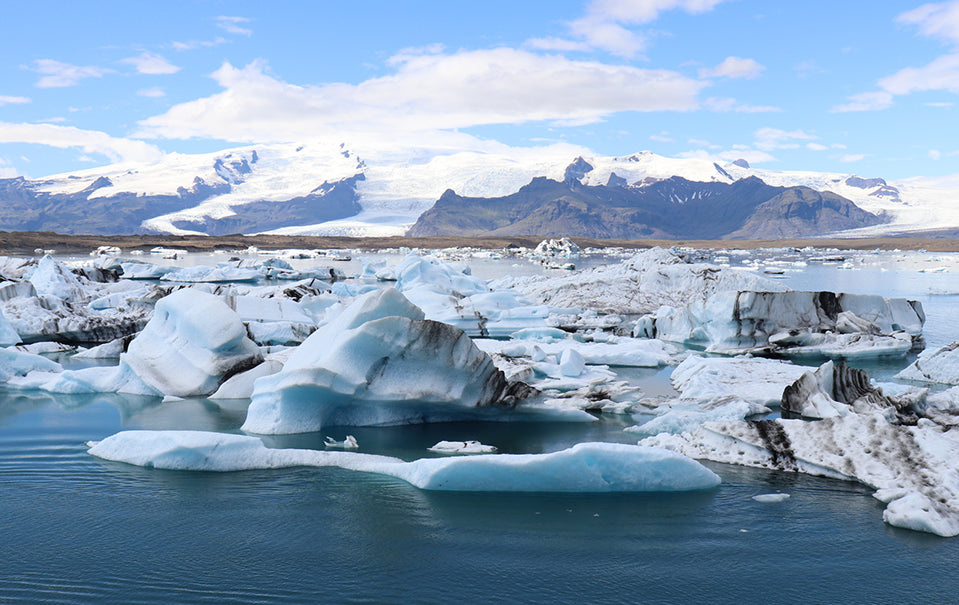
{"x": 852, "y": 157}
{"x": 57, "y": 74}
{"x": 937, "y": 20}
{"x": 723, "y": 104}
{"x": 866, "y": 101}
{"x": 8, "y": 100}
{"x": 753, "y": 156}
{"x": 734, "y": 67}
{"x": 940, "y": 104}
{"x": 941, "y": 74}
{"x": 155, "y": 92}
{"x": 426, "y": 92}
{"x": 195, "y": 44}
{"x": 662, "y": 137}
{"x": 232, "y": 25}
{"x": 151, "y": 63}
{"x": 935, "y": 154}
{"x": 6, "y": 170}
{"x": 605, "y": 25}
{"x": 557, "y": 44}
{"x": 88, "y": 141}
{"x": 816, "y": 147}
{"x": 768, "y": 139}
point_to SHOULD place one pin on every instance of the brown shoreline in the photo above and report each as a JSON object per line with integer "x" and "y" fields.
{"x": 26, "y": 242}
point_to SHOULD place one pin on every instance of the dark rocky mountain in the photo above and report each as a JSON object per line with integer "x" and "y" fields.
{"x": 672, "y": 208}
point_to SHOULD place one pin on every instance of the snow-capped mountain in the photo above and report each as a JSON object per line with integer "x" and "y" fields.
{"x": 320, "y": 189}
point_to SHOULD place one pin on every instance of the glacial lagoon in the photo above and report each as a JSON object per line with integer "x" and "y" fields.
{"x": 77, "y": 528}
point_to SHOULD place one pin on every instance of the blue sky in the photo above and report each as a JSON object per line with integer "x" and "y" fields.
{"x": 849, "y": 86}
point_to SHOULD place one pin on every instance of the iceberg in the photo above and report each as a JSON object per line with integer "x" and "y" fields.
{"x": 586, "y": 467}
{"x": 193, "y": 342}
{"x": 379, "y": 362}
{"x": 758, "y": 321}
{"x": 939, "y": 366}
{"x": 638, "y": 285}
{"x": 8, "y": 335}
{"x": 911, "y": 467}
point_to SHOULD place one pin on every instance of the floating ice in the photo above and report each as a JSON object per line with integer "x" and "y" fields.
{"x": 190, "y": 346}
{"x": 941, "y": 365}
{"x": 638, "y": 285}
{"x": 462, "y": 447}
{"x": 18, "y": 363}
{"x": 587, "y": 467}
{"x": 8, "y": 335}
{"x": 53, "y": 279}
{"x": 771, "y": 498}
{"x": 911, "y": 467}
{"x": 757, "y": 380}
{"x": 739, "y": 321}
{"x": 679, "y": 416}
{"x": 378, "y": 363}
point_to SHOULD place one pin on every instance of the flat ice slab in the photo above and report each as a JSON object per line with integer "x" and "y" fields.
{"x": 586, "y": 467}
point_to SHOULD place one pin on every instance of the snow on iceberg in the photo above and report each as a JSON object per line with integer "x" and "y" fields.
{"x": 379, "y": 362}
{"x": 586, "y": 467}
{"x": 192, "y": 343}
{"x": 753, "y": 379}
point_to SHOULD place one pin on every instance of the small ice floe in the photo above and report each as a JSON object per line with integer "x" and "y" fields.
{"x": 462, "y": 447}
{"x": 347, "y": 444}
{"x": 770, "y": 498}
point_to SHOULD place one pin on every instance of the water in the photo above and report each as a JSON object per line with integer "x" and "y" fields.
{"x": 74, "y": 528}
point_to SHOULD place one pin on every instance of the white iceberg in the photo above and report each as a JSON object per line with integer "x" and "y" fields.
{"x": 911, "y": 467}
{"x": 939, "y": 366}
{"x": 638, "y": 285}
{"x": 740, "y": 321}
{"x": 8, "y": 335}
{"x": 190, "y": 346}
{"x": 586, "y": 467}
{"x": 379, "y": 362}
{"x": 753, "y": 379}
{"x": 462, "y": 447}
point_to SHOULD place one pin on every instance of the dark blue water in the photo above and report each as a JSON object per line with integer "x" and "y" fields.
{"x": 74, "y": 528}
{"x": 77, "y": 529}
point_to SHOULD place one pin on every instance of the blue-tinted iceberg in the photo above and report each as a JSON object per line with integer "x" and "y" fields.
{"x": 379, "y": 362}
{"x": 586, "y": 467}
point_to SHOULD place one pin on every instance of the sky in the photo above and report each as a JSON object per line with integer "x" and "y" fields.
{"x": 850, "y": 86}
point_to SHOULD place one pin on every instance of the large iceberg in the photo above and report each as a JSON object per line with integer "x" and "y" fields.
{"x": 379, "y": 363}
{"x": 192, "y": 344}
{"x": 759, "y": 321}
{"x": 941, "y": 365}
{"x": 586, "y": 467}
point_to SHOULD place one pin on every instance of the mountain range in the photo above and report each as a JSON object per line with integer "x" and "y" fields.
{"x": 328, "y": 190}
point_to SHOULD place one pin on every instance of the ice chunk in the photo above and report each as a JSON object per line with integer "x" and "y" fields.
{"x": 771, "y": 498}
{"x": 756, "y": 380}
{"x": 681, "y": 416}
{"x": 638, "y": 285}
{"x": 379, "y": 362}
{"x": 587, "y": 467}
{"x": 745, "y": 320}
{"x": 53, "y": 279}
{"x": 19, "y": 363}
{"x": 8, "y": 335}
{"x": 462, "y": 447}
{"x": 941, "y": 365}
{"x": 191, "y": 345}
{"x": 911, "y": 467}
